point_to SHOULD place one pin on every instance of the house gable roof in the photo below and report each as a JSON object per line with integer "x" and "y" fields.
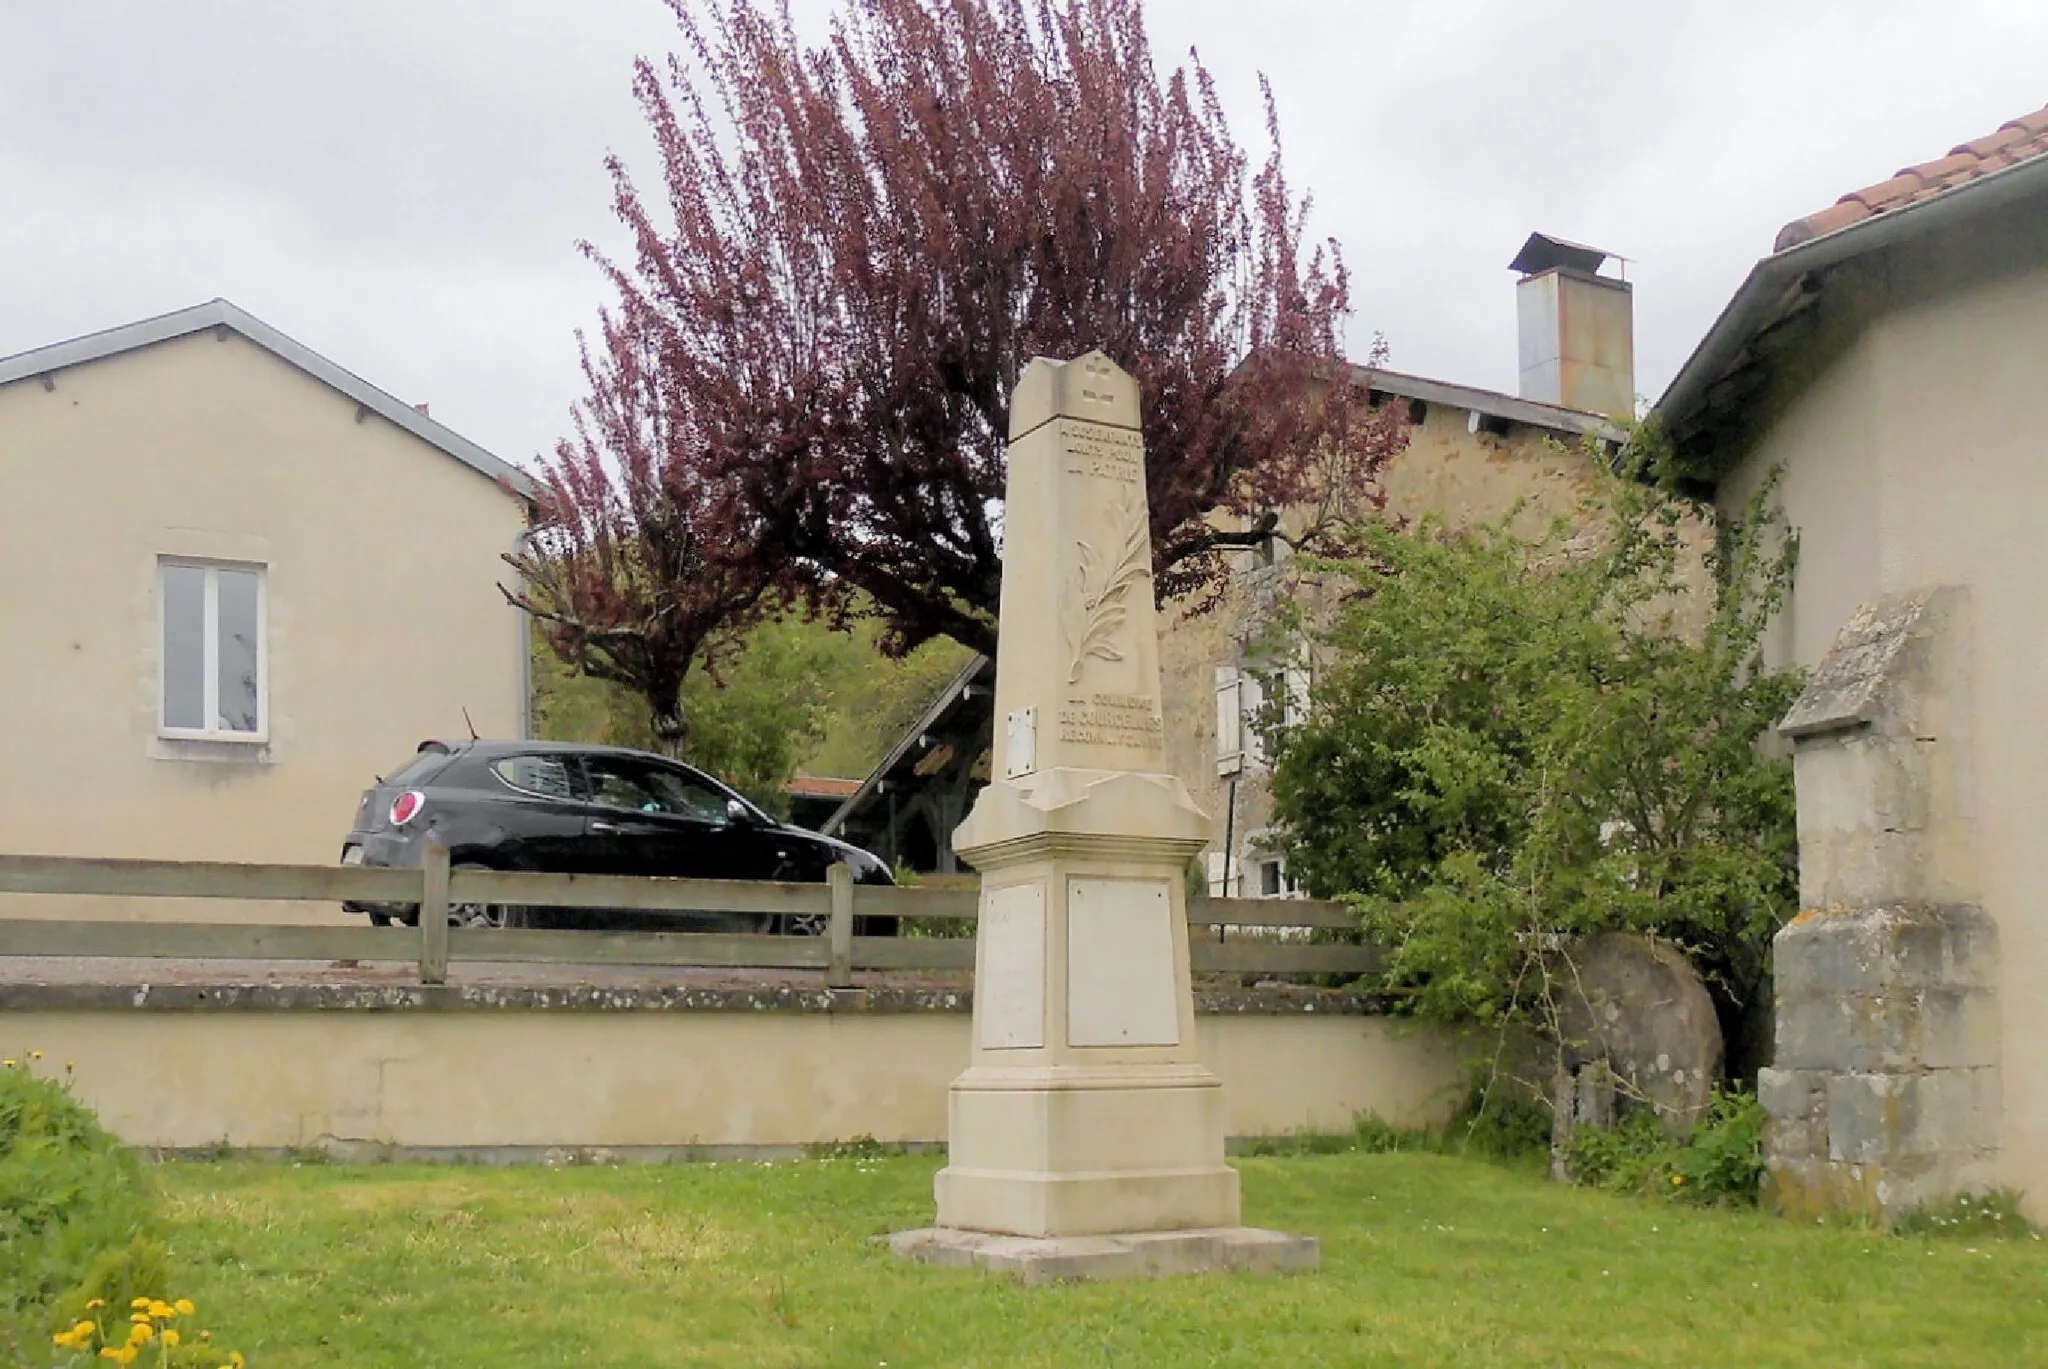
{"x": 218, "y": 314}
{"x": 1489, "y": 404}
{"x": 966, "y": 703}
{"x": 2015, "y": 141}
{"x": 1979, "y": 178}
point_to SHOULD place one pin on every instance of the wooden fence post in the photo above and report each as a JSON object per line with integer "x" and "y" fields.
{"x": 839, "y": 933}
{"x": 434, "y": 914}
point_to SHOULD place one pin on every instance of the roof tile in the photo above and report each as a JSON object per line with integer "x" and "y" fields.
{"x": 2015, "y": 141}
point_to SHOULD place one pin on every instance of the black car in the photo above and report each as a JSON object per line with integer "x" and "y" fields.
{"x": 572, "y": 809}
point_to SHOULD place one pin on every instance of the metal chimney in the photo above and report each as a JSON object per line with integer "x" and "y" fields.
{"x": 1577, "y": 328}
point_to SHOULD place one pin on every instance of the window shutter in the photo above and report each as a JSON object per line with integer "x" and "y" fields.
{"x": 1229, "y": 722}
{"x": 1297, "y": 694}
{"x": 1251, "y": 699}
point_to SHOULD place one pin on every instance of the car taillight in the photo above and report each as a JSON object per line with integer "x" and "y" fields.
{"x": 406, "y": 807}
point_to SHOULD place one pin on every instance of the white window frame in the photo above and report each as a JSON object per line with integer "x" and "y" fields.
{"x": 210, "y": 652}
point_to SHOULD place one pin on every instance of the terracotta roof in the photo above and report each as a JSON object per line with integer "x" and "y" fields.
{"x": 2016, "y": 141}
{"x": 821, "y": 787}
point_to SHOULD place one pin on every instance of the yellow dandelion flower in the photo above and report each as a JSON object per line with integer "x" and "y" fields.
{"x": 128, "y": 1354}
{"x": 236, "y": 1361}
{"x": 6, "y": 1064}
{"x": 35, "y": 1055}
{"x": 95, "y": 1304}
{"x": 139, "y": 1317}
{"x": 139, "y": 1302}
{"x": 109, "y": 1352}
{"x": 1677, "y": 1179}
{"x": 84, "y": 1328}
{"x": 186, "y": 1307}
{"x": 142, "y": 1333}
{"x": 162, "y": 1310}
{"x": 171, "y": 1338}
{"x": 64, "y": 1340}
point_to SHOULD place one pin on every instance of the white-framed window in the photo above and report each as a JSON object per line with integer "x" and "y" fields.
{"x": 213, "y": 682}
{"x": 1274, "y": 881}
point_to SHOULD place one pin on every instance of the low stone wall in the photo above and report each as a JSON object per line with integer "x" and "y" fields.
{"x": 529, "y": 1071}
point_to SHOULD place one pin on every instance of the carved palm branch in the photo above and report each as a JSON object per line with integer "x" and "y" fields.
{"x": 1103, "y": 606}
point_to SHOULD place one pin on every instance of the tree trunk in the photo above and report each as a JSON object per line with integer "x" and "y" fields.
{"x": 671, "y": 729}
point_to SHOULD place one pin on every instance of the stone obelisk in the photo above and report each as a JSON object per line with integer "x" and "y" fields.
{"x": 1085, "y": 1137}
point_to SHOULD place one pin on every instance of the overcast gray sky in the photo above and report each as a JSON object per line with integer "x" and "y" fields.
{"x": 400, "y": 185}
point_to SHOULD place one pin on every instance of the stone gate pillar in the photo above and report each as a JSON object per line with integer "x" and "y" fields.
{"x": 1085, "y": 1138}
{"x": 1884, "y": 1088}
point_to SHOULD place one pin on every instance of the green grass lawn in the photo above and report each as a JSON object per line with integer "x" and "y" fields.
{"x": 1427, "y": 1260}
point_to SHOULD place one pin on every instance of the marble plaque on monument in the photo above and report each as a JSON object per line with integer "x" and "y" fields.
{"x": 1120, "y": 963}
{"x": 1010, "y": 998}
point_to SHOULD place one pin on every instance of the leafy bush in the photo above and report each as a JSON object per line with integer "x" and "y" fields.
{"x": 80, "y": 1247}
{"x": 1501, "y": 1123}
{"x": 1512, "y": 746}
{"x": 77, "y": 1218}
{"x": 1720, "y": 1165}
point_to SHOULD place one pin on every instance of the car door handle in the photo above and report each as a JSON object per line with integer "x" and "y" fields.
{"x": 598, "y": 825}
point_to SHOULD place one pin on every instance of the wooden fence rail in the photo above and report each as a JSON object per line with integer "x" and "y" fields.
{"x": 435, "y": 887}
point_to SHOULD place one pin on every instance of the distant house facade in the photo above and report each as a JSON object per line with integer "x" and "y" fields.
{"x": 1887, "y": 361}
{"x": 238, "y": 582}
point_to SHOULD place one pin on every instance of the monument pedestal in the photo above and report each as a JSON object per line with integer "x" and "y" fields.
{"x": 1085, "y": 1139}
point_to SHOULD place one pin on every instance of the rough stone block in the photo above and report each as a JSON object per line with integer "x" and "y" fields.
{"x": 1952, "y": 1029}
{"x": 1803, "y": 1139}
{"x": 1972, "y": 947}
{"x": 1805, "y": 1189}
{"x": 1828, "y": 952}
{"x": 1949, "y": 1112}
{"x": 1864, "y": 1116}
{"x": 1791, "y": 1095}
{"x": 1830, "y": 1033}
{"x": 1145, "y": 1254}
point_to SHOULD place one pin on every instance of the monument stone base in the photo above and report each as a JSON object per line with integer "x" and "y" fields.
{"x": 1131, "y": 1255}
{"x": 1075, "y": 1151}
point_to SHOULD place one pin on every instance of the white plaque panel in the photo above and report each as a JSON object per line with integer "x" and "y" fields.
{"x": 1120, "y": 963}
{"x": 1009, "y": 995}
{"x": 1020, "y": 747}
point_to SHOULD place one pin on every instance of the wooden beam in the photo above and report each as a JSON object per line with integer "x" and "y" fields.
{"x": 723, "y": 951}
{"x": 205, "y": 941}
{"x": 1284, "y": 957}
{"x": 434, "y": 902}
{"x": 207, "y": 879}
{"x": 839, "y": 936}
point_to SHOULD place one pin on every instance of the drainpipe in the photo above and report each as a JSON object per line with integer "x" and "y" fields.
{"x": 1229, "y": 841}
{"x": 520, "y": 544}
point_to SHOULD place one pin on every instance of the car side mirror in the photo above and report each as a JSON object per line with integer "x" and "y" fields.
{"x": 738, "y": 814}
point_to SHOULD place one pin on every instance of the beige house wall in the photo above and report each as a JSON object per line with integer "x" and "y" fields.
{"x": 1916, "y": 458}
{"x": 384, "y": 622}
{"x": 533, "y": 1080}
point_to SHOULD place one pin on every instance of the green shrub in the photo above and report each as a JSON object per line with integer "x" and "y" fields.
{"x": 77, "y": 1218}
{"x": 1500, "y": 1123}
{"x": 1721, "y": 1164}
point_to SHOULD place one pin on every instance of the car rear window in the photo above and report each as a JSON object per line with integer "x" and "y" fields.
{"x": 419, "y": 769}
{"x": 545, "y": 775}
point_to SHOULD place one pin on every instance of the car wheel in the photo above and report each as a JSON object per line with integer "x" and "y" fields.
{"x": 803, "y": 924}
{"x": 490, "y": 916}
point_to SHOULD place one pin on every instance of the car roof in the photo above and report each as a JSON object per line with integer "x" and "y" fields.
{"x": 487, "y": 749}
